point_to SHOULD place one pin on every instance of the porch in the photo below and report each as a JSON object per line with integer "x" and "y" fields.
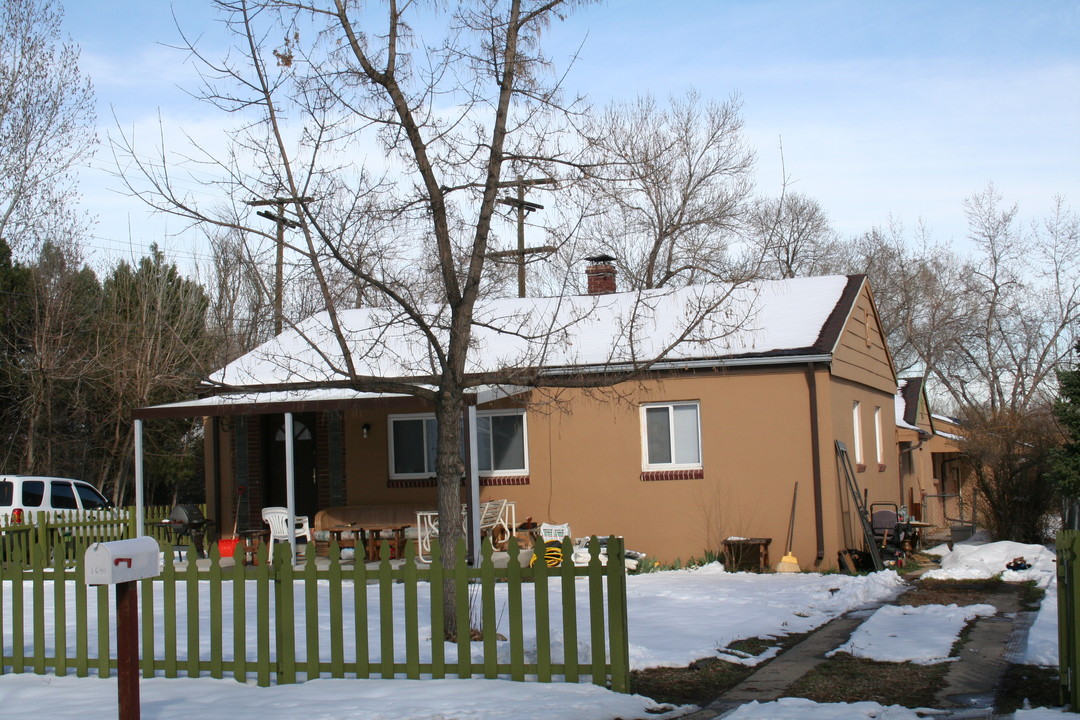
{"x": 313, "y": 452}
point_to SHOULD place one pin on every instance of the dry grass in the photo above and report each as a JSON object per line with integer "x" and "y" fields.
{"x": 699, "y": 683}
{"x": 845, "y": 679}
{"x": 1028, "y": 685}
{"x": 951, "y": 592}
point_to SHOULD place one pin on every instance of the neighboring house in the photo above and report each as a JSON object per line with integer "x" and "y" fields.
{"x": 932, "y": 468}
{"x": 709, "y": 445}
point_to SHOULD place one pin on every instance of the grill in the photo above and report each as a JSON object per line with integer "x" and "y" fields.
{"x": 187, "y": 524}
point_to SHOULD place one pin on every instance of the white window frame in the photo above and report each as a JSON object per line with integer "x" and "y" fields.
{"x": 390, "y": 420}
{"x": 673, "y": 465}
{"x": 395, "y": 475}
{"x": 879, "y": 439}
{"x": 856, "y": 421}
{"x": 511, "y": 472}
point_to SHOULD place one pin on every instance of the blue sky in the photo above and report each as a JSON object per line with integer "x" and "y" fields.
{"x": 901, "y": 108}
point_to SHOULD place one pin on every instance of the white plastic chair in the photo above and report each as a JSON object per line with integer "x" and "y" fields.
{"x": 278, "y": 520}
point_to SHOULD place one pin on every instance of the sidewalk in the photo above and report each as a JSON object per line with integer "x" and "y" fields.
{"x": 970, "y": 683}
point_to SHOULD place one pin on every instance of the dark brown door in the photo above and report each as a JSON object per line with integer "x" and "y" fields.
{"x": 306, "y": 490}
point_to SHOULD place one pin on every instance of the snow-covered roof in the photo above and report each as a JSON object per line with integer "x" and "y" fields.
{"x": 230, "y": 403}
{"x": 906, "y": 404}
{"x": 900, "y": 407}
{"x": 577, "y": 333}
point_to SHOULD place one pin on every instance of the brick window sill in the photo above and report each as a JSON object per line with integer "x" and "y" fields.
{"x": 655, "y": 475}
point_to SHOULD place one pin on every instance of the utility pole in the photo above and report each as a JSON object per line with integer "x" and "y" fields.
{"x": 279, "y": 265}
{"x": 524, "y": 207}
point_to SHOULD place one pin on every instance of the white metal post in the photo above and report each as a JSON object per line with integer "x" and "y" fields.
{"x": 140, "y": 510}
{"x": 474, "y": 488}
{"x": 290, "y": 484}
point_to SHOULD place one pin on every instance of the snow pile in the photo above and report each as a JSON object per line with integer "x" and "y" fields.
{"x": 1040, "y": 714}
{"x": 680, "y": 616}
{"x": 923, "y": 635}
{"x": 800, "y": 709}
{"x": 968, "y": 561}
{"x": 1041, "y": 647}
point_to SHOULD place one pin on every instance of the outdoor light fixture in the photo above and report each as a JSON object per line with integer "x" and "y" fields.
{"x": 366, "y": 428}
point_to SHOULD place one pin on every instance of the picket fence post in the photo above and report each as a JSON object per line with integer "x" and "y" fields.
{"x": 1068, "y": 557}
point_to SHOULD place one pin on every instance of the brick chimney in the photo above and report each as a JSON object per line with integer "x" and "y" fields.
{"x": 600, "y": 274}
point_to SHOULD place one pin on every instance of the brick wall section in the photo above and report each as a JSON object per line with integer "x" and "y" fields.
{"x": 335, "y": 457}
{"x": 650, "y": 475}
{"x": 484, "y": 482}
{"x": 255, "y": 491}
{"x": 601, "y": 279}
{"x": 322, "y": 457}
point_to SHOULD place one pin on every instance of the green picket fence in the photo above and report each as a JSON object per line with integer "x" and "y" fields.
{"x": 61, "y": 532}
{"x": 64, "y": 530}
{"x": 1068, "y": 580}
{"x": 273, "y": 623}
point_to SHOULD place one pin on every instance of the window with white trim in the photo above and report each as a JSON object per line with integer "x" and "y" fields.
{"x": 671, "y": 435}
{"x": 412, "y": 445}
{"x": 856, "y": 422}
{"x": 501, "y": 442}
{"x": 878, "y": 437}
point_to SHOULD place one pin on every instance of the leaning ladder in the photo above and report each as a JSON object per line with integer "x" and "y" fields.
{"x": 860, "y": 506}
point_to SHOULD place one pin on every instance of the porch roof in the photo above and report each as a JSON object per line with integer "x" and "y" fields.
{"x": 279, "y": 401}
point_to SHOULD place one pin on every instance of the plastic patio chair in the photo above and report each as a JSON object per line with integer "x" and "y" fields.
{"x": 278, "y": 520}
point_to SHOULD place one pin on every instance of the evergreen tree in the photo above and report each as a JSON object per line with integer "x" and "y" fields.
{"x": 1065, "y": 460}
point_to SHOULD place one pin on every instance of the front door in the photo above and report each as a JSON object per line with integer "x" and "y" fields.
{"x": 306, "y": 489}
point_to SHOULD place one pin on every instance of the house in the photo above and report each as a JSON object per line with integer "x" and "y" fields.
{"x": 933, "y": 472}
{"x": 709, "y": 444}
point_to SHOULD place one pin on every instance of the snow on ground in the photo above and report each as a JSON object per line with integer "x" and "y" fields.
{"x": 972, "y": 561}
{"x": 800, "y": 709}
{"x": 1041, "y": 647}
{"x": 975, "y": 562}
{"x": 923, "y": 635}
{"x": 187, "y": 698}
{"x": 678, "y": 617}
{"x": 675, "y": 617}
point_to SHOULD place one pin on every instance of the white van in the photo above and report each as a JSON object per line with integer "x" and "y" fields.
{"x": 23, "y": 496}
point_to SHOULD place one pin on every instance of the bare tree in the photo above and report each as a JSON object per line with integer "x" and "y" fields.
{"x": 1023, "y": 299}
{"x": 1009, "y": 452}
{"x": 46, "y": 127}
{"x": 458, "y": 117}
{"x": 793, "y": 234}
{"x": 672, "y": 187}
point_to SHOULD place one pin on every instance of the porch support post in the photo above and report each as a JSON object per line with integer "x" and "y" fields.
{"x": 290, "y": 484}
{"x": 140, "y": 502}
{"x": 473, "y": 472}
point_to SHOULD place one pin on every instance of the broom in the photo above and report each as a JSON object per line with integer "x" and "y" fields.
{"x": 789, "y": 563}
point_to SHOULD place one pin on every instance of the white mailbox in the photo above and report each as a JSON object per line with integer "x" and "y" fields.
{"x": 109, "y": 563}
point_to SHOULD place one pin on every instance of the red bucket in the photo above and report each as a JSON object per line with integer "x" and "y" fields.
{"x": 227, "y": 547}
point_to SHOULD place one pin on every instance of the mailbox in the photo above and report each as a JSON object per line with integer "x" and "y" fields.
{"x": 119, "y": 561}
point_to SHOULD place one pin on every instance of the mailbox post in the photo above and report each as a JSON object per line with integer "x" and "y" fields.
{"x": 123, "y": 563}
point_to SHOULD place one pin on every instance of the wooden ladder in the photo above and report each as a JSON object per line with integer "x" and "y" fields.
{"x": 860, "y": 505}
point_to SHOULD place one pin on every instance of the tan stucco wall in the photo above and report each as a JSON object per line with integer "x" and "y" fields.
{"x": 586, "y": 465}
{"x": 878, "y": 481}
